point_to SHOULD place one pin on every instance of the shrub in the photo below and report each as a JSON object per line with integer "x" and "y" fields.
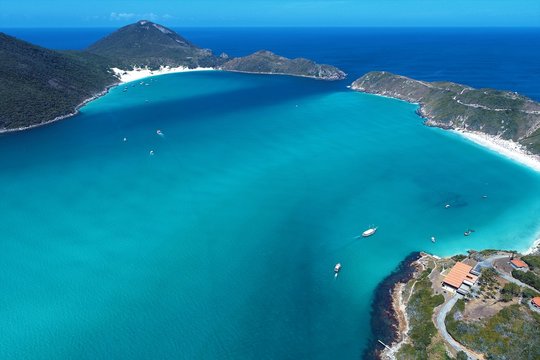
{"x": 528, "y": 278}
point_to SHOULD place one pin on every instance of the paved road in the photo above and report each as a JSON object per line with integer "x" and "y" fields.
{"x": 445, "y": 309}
{"x": 515, "y": 281}
{"x": 488, "y": 263}
{"x": 508, "y": 277}
{"x": 441, "y": 327}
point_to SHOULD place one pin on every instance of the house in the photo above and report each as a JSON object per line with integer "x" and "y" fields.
{"x": 460, "y": 279}
{"x": 536, "y": 302}
{"x": 519, "y": 264}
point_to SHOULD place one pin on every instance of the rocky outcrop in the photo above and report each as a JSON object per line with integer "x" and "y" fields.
{"x": 266, "y": 62}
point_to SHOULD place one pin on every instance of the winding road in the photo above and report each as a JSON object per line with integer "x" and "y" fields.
{"x": 441, "y": 327}
{"x": 447, "y": 307}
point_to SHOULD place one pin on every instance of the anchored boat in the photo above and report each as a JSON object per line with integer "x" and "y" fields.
{"x": 369, "y": 232}
{"x": 337, "y": 268}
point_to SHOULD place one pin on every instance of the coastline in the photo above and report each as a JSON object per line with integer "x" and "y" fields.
{"x": 280, "y": 74}
{"x": 62, "y": 117}
{"x": 388, "y": 317}
{"x": 506, "y": 148}
{"x": 535, "y": 247}
{"x": 137, "y": 73}
{"x": 123, "y": 76}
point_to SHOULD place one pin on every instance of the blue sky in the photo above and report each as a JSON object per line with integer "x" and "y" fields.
{"x": 113, "y": 13}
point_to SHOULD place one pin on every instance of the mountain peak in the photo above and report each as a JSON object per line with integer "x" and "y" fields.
{"x": 146, "y": 43}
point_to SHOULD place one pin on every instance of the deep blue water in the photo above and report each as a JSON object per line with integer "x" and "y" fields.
{"x": 222, "y": 244}
{"x": 501, "y": 58}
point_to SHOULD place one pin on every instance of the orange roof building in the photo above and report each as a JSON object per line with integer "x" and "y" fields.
{"x": 536, "y": 301}
{"x": 519, "y": 264}
{"x": 460, "y": 274}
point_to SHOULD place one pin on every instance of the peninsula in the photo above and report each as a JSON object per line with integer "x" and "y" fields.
{"x": 482, "y": 305}
{"x": 41, "y": 85}
{"x": 503, "y": 120}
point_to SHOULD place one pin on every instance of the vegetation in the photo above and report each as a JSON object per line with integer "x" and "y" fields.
{"x": 39, "y": 85}
{"x": 513, "y": 333}
{"x": 147, "y": 44}
{"x": 270, "y": 63}
{"x": 509, "y": 291}
{"x": 449, "y": 105}
{"x": 459, "y": 257}
{"x": 529, "y": 294}
{"x": 532, "y": 260}
{"x": 527, "y": 277}
{"x": 420, "y": 311}
{"x": 488, "y": 252}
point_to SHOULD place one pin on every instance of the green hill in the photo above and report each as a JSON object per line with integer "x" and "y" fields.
{"x": 146, "y": 44}
{"x": 504, "y": 114}
{"x": 266, "y": 62}
{"x": 38, "y": 85}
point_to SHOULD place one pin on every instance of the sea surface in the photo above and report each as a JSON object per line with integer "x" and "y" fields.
{"x": 221, "y": 245}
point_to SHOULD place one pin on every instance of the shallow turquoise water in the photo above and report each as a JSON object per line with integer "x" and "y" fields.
{"x": 222, "y": 244}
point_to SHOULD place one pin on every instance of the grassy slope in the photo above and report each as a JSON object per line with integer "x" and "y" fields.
{"x": 422, "y": 330}
{"x": 513, "y": 333}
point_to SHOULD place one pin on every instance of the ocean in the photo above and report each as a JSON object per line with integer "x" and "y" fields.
{"x": 221, "y": 245}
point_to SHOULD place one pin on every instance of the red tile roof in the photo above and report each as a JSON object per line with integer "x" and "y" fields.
{"x": 459, "y": 273}
{"x": 536, "y": 301}
{"x": 519, "y": 263}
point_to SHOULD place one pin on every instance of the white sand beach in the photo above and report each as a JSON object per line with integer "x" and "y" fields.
{"x": 138, "y": 73}
{"x": 507, "y": 148}
{"x": 533, "y": 248}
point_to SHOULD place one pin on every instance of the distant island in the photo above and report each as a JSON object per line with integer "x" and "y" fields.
{"x": 483, "y": 305}
{"x": 504, "y": 120}
{"x": 41, "y": 85}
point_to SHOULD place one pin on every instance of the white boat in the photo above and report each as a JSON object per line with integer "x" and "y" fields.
{"x": 369, "y": 232}
{"x": 433, "y": 239}
{"x": 337, "y": 268}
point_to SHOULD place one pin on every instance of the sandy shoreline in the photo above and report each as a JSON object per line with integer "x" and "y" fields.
{"x": 506, "y": 148}
{"x": 137, "y": 73}
{"x": 533, "y": 248}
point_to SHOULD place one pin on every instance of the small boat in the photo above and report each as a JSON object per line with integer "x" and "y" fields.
{"x": 125, "y": 139}
{"x": 337, "y": 268}
{"x": 468, "y": 232}
{"x": 484, "y": 196}
{"x": 369, "y": 232}
{"x": 151, "y": 152}
{"x": 433, "y": 239}
{"x": 159, "y": 132}
{"x": 446, "y": 206}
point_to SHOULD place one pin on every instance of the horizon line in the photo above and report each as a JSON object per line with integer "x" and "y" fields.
{"x": 292, "y": 26}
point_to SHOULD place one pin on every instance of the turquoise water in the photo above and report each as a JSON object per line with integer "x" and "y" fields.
{"x": 222, "y": 244}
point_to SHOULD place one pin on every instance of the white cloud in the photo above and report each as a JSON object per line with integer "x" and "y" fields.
{"x": 122, "y": 16}
{"x": 125, "y": 16}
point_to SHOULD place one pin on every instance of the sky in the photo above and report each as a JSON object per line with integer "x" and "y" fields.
{"x": 114, "y": 13}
